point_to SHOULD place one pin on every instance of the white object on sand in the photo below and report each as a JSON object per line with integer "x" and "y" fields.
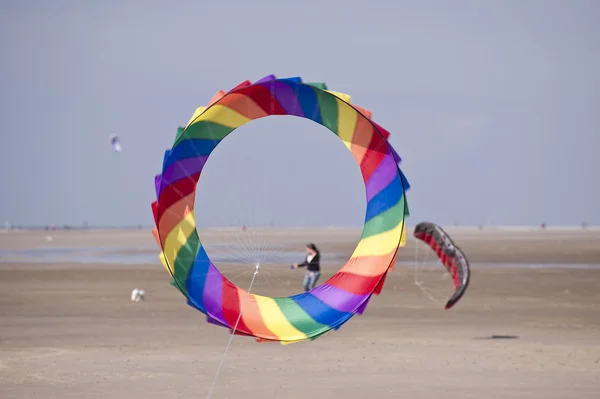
{"x": 137, "y": 295}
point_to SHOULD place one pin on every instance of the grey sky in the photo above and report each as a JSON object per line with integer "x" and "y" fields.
{"x": 493, "y": 106}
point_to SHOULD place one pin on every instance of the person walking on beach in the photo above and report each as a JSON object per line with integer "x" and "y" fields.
{"x": 313, "y": 269}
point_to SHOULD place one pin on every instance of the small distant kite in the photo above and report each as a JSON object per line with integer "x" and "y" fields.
{"x": 450, "y": 255}
{"x": 115, "y": 142}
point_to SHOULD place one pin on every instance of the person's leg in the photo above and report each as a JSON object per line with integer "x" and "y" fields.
{"x": 306, "y": 282}
{"x": 313, "y": 279}
{"x": 317, "y": 275}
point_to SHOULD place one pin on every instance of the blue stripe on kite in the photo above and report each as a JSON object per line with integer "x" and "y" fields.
{"x": 190, "y": 149}
{"x": 166, "y": 157}
{"x": 192, "y": 304}
{"x": 386, "y": 199}
{"x": 309, "y": 103}
{"x": 341, "y": 322}
{"x": 295, "y": 79}
{"x": 404, "y": 180}
{"x": 196, "y": 279}
{"x": 319, "y": 311}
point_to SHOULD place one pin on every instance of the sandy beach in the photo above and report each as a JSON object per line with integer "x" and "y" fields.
{"x": 528, "y": 327}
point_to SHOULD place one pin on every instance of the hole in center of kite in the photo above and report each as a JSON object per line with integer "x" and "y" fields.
{"x": 270, "y": 188}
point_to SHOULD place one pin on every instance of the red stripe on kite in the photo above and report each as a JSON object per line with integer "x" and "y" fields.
{"x": 264, "y": 98}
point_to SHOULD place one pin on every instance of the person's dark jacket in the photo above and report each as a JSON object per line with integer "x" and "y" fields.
{"x": 313, "y": 265}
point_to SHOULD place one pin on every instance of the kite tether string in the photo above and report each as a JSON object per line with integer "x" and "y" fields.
{"x": 212, "y": 386}
{"x": 418, "y": 281}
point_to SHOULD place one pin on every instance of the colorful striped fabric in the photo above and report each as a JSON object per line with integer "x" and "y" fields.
{"x": 308, "y": 315}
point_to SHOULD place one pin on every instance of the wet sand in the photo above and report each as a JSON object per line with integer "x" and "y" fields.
{"x": 71, "y": 331}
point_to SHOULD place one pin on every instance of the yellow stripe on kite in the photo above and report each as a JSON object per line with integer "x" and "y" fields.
{"x": 292, "y": 342}
{"x": 345, "y": 97}
{"x": 403, "y": 238}
{"x": 379, "y": 244}
{"x": 163, "y": 260}
{"x": 347, "y": 118}
{"x": 189, "y": 212}
{"x": 223, "y": 116}
{"x": 178, "y": 237}
{"x": 276, "y": 321}
{"x": 196, "y": 114}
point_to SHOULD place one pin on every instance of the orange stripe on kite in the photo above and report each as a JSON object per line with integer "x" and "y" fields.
{"x": 244, "y": 105}
{"x": 363, "y": 132}
{"x": 172, "y": 216}
{"x": 155, "y": 235}
{"x": 216, "y": 97}
{"x": 253, "y": 320}
{"x": 364, "y": 111}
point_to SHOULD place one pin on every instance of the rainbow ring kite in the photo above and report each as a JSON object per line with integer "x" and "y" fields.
{"x": 304, "y": 316}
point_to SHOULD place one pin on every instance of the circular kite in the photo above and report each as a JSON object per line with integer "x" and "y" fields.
{"x": 308, "y": 315}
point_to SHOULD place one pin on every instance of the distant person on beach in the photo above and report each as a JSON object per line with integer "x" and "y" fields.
{"x": 313, "y": 269}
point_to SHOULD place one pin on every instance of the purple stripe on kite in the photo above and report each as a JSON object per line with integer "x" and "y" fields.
{"x": 395, "y": 154}
{"x": 215, "y": 322}
{"x": 363, "y": 307}
{"x": 157, "y": 181}
{"x": 182, "y": 169}
{"x": 338, "y": 298}
{"x": 286, "y": 96}
{"x": 212, "y": 297}
{"x": 385, "y": 173}
{"x": 266, "y": 79}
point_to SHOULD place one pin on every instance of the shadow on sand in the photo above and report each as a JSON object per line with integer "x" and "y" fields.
{"x": 499, "y": 337}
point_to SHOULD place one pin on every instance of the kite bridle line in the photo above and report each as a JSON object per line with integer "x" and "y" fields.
{"x": 216, "y": 377}
{"x": 419, "y": 265}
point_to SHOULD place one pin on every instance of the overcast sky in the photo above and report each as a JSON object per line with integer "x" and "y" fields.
{"x": 494, "y": 107}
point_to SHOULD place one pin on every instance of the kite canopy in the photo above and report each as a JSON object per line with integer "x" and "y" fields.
{"x": 450, "y": 255}
{"x": 328, "y": 306}
{"x": 115, "y": 142}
